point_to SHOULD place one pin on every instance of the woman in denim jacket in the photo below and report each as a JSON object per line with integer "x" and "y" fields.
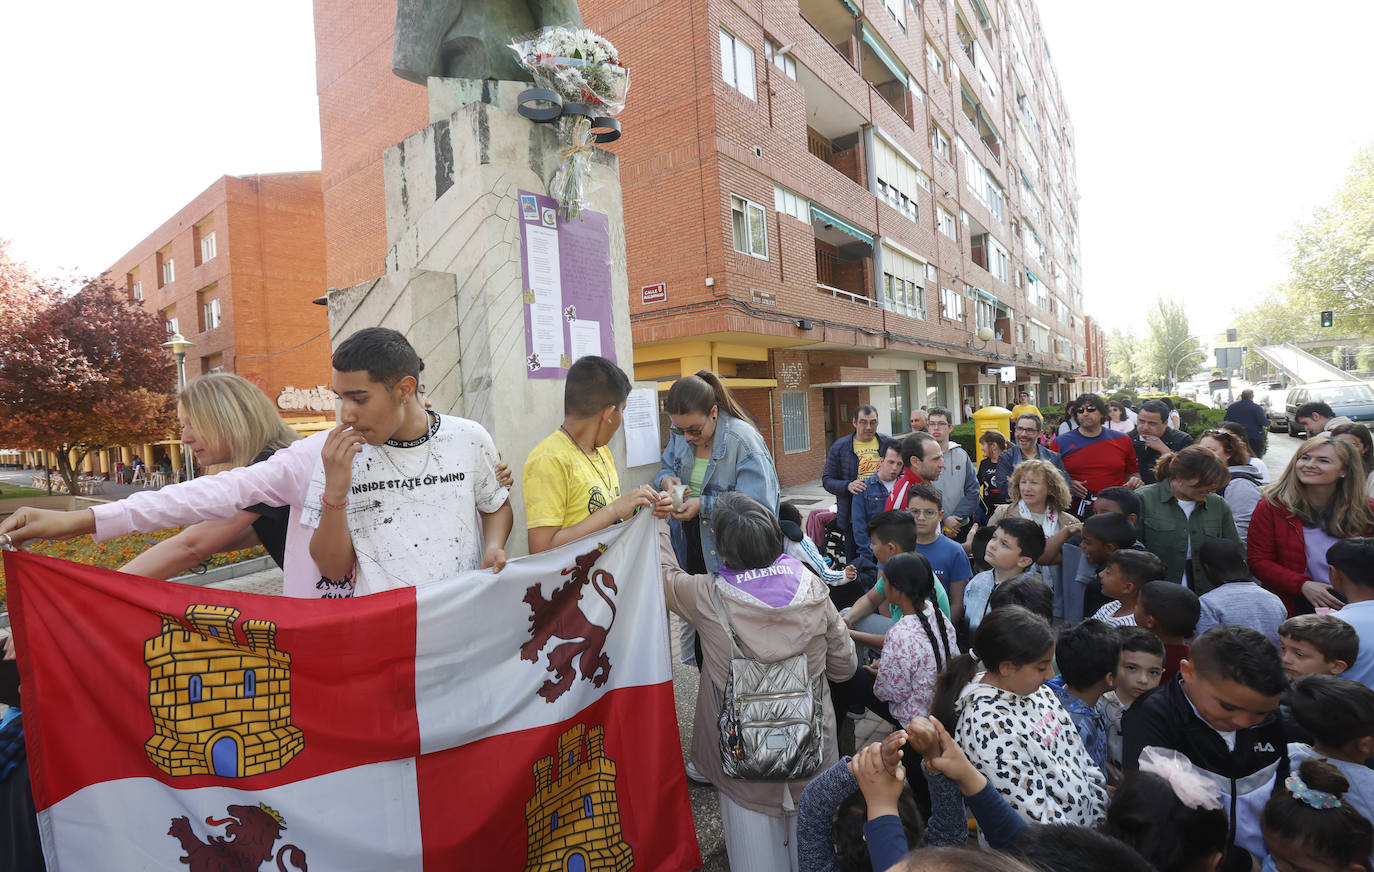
{"x": 713, "y": 449}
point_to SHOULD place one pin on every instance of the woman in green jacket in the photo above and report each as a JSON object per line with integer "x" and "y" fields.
{"x": 1182, "y": 510}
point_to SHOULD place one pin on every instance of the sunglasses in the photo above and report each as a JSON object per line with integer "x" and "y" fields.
{"x": 1088, "y": 408}
{"x": 687, "y": 431}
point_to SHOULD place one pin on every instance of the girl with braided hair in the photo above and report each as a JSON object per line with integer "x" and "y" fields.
{"x": 918, "y": 647}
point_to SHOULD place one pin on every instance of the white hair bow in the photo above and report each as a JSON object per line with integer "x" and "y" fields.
{"x": 1192, "y": 787}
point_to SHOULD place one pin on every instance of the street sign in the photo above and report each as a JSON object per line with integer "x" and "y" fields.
{"x": 654, "y": 293}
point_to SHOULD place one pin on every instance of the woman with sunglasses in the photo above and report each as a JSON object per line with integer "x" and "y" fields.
{"x": 713, "y": 449}
{"x": 1242, "y": 493}
{"x": 1319, "y": 499}
{"x": 1117, "y": 419}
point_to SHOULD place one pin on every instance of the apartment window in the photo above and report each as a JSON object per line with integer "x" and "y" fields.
{"x": 784, "y": 62}
{"x": 136, "y": 291}
{"x": 932, "y": 273}
{"x": 796, "y": 423}
{"x": 923, "y": 180}
{"x": 951, "y": 304}
{"x": 167, "y": 271}
{"x": 935, "y": 62}
{"x": 212, "y": 363}
{"x": 750, "y": 229}
{"x": 207, "y": 247}
{"x": 896, "y": 178}
{"x": 916, "y": 90}
{"x": 789, "y": 202}
{"x": 948, "y": 225}
{"x": 902, "y": 283}
{"x": 939, "y": 143}
{"x": 998, "y": 259}
{"x": 209, "y": 314}
{"x": 984, "y": 313}
{"x": 170, "y": 320}
{"x": 897, "y": 9}
{"x": 737, "y": 64}
{"x": 1036, "y": 290}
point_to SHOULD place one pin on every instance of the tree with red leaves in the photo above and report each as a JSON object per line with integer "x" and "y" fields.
{"x": 80, "y": 373}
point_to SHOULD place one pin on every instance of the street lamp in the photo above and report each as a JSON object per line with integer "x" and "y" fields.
{"x": 1173, "y": 370}
{"x": 178, "y": 345}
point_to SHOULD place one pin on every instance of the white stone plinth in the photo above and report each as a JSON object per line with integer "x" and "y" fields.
{"x": 453, "y": 282}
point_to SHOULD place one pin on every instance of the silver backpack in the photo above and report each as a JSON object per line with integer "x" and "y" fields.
{"x": 771, "y": 723}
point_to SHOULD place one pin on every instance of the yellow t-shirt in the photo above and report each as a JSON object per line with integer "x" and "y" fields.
{"x": 1018, "y": 411}
{"x": 867, "y": 452}
{"x": 563, "y": 486}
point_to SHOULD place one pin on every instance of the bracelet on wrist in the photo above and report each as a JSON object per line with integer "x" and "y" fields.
{"x": 337, "y": 507}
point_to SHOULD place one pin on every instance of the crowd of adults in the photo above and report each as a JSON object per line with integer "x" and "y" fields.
{"x": 1078, "y": 546}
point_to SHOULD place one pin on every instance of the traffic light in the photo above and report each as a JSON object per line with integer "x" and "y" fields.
{"x": 1328, "y": 318}
{"x": 1231, "y": 334}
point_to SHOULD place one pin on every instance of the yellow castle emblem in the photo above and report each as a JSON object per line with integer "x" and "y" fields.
{"x": 220, "y": 706}
{"x": 573, "y": 820}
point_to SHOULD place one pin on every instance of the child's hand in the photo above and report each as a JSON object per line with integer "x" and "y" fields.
{"x": 881, "y": 788}
{"x": 892, "y": 750}
{"x": 494, "y": 559}
{"x": 850, "y": 572}
{"x": 951, "y": 762}
{"x": 922, "y": 736}
{"x": 624, "y": 506}
{"x": 503, "y": 476}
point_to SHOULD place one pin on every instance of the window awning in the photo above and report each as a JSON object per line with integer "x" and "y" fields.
{"x": 1030, "y": 275}
{"x": 817, "y": 213}
{"x": 989, "y": 297}
{"x": 853, "y": 10}
{"x": 884, "y": 55}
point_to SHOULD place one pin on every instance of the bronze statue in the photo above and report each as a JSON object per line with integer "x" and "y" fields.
{"x": 470, "y": 39}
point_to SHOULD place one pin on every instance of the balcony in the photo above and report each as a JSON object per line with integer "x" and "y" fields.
{"x": 973, "y": 111}
{"x": 842, "y": 154}
{"x": 838, "y": 22}
{"x": 844, "y": 258}
{"x": 879, "y": 67}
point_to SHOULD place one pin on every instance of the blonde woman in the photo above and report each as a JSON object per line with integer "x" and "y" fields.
{"x": 1319, "y": 500}
{"x": 1037, "y": 492}
{"x": 225, "y": 421}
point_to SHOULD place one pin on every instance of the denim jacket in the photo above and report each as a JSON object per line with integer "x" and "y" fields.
{"x": 739, "y": 462}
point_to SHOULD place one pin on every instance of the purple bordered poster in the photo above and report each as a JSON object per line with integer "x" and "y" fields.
{"x": 567, "y": 286}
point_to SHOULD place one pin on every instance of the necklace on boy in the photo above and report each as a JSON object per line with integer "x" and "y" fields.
{"x": 598, "y": 468}
{"x": 429, "y": 452}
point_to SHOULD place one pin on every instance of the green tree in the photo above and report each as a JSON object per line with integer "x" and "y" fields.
{"x": 1171, "y": 350}
{"x": 1333, "y": 254}
{"x": 1124, "y": 358}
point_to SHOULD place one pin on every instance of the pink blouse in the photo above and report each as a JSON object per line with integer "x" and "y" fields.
{"x": 907, "y": 670}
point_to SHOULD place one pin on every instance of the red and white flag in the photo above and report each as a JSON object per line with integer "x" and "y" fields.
{"x": 490, "y": 722}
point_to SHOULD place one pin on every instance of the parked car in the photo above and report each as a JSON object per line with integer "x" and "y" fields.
{"x": 1353, "y": 399}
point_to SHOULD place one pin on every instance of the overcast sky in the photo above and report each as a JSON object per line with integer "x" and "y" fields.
{"x": 1204, "y": 129}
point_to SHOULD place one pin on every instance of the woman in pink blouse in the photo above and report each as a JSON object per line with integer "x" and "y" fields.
{"x": 916, "y": 648}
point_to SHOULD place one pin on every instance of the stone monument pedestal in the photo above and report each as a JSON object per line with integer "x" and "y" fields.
{"x": 454, "y": 284}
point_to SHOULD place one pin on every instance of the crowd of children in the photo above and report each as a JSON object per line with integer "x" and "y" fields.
{"x": 1109, "y": 719}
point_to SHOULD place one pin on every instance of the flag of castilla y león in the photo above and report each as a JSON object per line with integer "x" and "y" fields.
{"x": 517, "y": 721}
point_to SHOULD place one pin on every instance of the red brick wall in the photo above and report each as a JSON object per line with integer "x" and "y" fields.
{"x": 268, "y": 267}
{"x": 364, "y": 110}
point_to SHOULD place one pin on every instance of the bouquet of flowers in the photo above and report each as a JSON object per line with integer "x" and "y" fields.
{"x": 583, "y": 69}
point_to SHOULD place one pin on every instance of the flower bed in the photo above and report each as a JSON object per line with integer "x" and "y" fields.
{"x": 117, "y": 552}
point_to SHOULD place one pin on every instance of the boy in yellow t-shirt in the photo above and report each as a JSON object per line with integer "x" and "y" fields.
{"x": 571, "y": 485}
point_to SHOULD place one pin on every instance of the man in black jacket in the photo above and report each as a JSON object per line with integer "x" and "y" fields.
{"x": 1250, "y": 415}
{"x": 1221, "y": 712}
{"x": 848, "y": 464}
{"x": 1154, "y": 438}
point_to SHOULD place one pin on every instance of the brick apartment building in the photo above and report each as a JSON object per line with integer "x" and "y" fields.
{"x": 235, "y": 271}
{"x": 829, "y": 202}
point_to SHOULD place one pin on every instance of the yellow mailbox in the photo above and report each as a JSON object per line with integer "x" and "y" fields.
{"x": 990, "y": 418}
